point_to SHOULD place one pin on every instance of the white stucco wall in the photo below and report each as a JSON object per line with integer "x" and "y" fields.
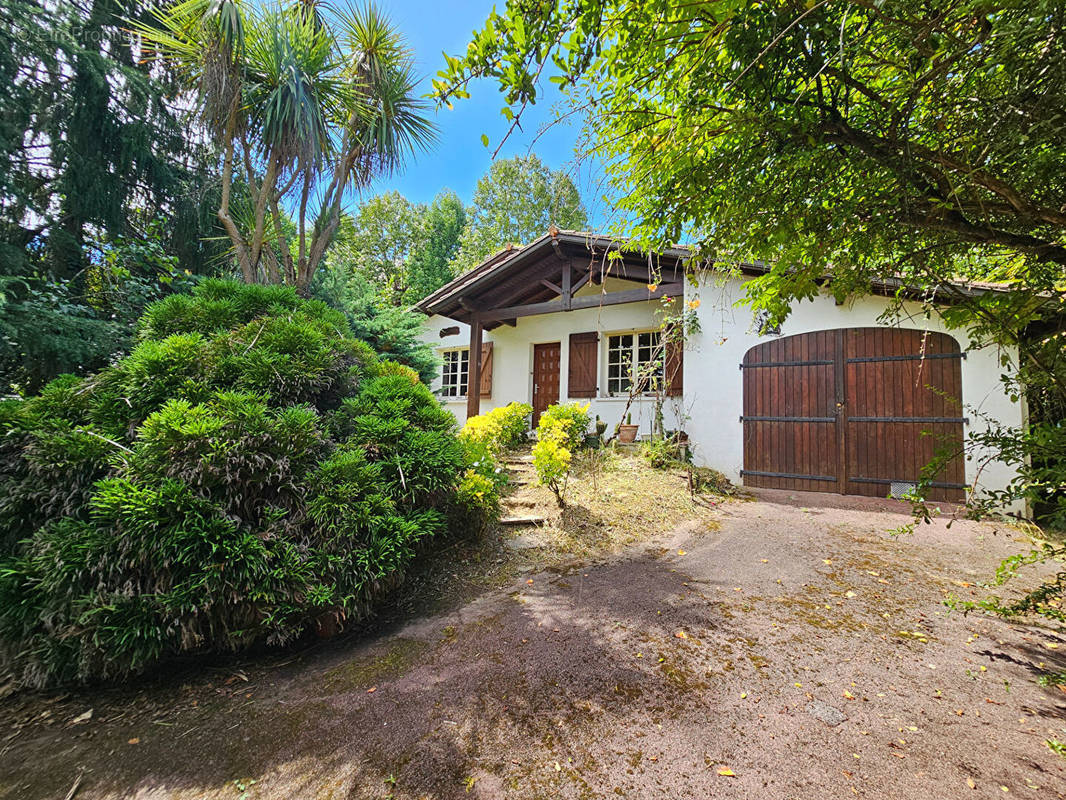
{"x": 512, "y": 355}
{"x": 714, "y": 381}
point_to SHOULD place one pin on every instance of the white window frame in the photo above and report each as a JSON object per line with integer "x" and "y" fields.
{"x": 455, "y": 373}
{"x": 627, "y": 357}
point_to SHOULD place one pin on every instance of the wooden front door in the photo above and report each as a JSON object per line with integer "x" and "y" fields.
{"x": 545, "y": 378}
{"x": 855, "y": 411}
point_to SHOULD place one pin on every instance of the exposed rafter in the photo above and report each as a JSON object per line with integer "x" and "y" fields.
{"x": 575, "y": 303}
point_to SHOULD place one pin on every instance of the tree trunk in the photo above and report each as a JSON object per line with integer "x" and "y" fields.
{"x": 239, "y": 247}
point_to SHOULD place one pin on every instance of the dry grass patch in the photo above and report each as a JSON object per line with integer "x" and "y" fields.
{"x": 613, "y": 500}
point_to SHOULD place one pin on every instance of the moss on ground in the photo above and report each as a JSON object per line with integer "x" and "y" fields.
{"x": 364, "y": 672}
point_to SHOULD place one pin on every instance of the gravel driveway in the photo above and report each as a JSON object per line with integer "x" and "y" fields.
{"x": 796, "y": 652}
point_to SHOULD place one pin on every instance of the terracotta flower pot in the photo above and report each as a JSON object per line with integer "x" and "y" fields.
{"x": 627, "y": 433}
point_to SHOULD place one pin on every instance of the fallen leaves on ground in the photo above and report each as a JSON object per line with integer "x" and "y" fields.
{"x": 916, "y": 635}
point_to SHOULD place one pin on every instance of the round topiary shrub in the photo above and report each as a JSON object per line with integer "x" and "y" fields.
{"x": 248, "y": 474}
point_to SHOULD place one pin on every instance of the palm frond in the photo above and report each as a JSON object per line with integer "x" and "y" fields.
{"x": 385, "y": 118}
{"x": 316, "y": 90}
{"x": 204, "y": 40}
{"x": 291, "y": 84}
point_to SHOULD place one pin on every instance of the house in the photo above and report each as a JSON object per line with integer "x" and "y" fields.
{"x": 835, "y": 401}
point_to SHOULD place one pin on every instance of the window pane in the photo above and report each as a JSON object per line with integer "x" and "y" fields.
{"x": 454, "y": 372}
{"x": 619, "y": 363}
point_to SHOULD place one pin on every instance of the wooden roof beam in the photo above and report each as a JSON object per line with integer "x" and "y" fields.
{"x": 593, "y": 301}
{"x": 557, "y": 289}
{"x": 508, "y": 291}
{"x": 469, "y": 305}
{"x": 581, "y": 282}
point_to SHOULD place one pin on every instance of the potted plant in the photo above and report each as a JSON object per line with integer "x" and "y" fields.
{"x": 628, "y": 433}
{"x": 595, "y": 439}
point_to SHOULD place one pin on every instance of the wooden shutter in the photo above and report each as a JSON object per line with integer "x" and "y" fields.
{"x": 675, "y": 367}
{"x": 581, "y": 381}
{"x": 486, "y": 369}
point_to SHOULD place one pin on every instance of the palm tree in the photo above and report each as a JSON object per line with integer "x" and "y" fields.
{"x": 306, "y": 103}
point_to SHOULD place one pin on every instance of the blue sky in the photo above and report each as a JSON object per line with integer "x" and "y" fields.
{"x": 460, "y": 158}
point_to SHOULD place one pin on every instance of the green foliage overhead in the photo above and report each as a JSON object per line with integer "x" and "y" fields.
{"x": 248, "y": 474}
{"x": 514, "y": 203}
{"x": 829, "y": 137}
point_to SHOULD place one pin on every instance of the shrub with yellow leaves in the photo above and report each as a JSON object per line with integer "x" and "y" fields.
{"x": 560, "y": 431}
{"x": 500, "y": 429}
{"x": 572, "y": 421}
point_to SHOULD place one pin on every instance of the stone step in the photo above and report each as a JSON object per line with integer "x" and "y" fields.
{"x": 522, "y": 520}
{"x": 514, "y": 502}
{"x": 526, "y": 541}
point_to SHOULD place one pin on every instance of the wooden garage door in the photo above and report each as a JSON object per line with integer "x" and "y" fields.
{"x": 855, "y": 411}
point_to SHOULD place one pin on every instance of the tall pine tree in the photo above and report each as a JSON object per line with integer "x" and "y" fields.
{"x": 95, "y": 153}
{"x": 94, "y": 139}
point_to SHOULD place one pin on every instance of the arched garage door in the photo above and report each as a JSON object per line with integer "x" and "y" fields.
{"x": 854, "y": 411}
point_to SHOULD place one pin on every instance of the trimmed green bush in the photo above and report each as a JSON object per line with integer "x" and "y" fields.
{"x": 248, "y": 474}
